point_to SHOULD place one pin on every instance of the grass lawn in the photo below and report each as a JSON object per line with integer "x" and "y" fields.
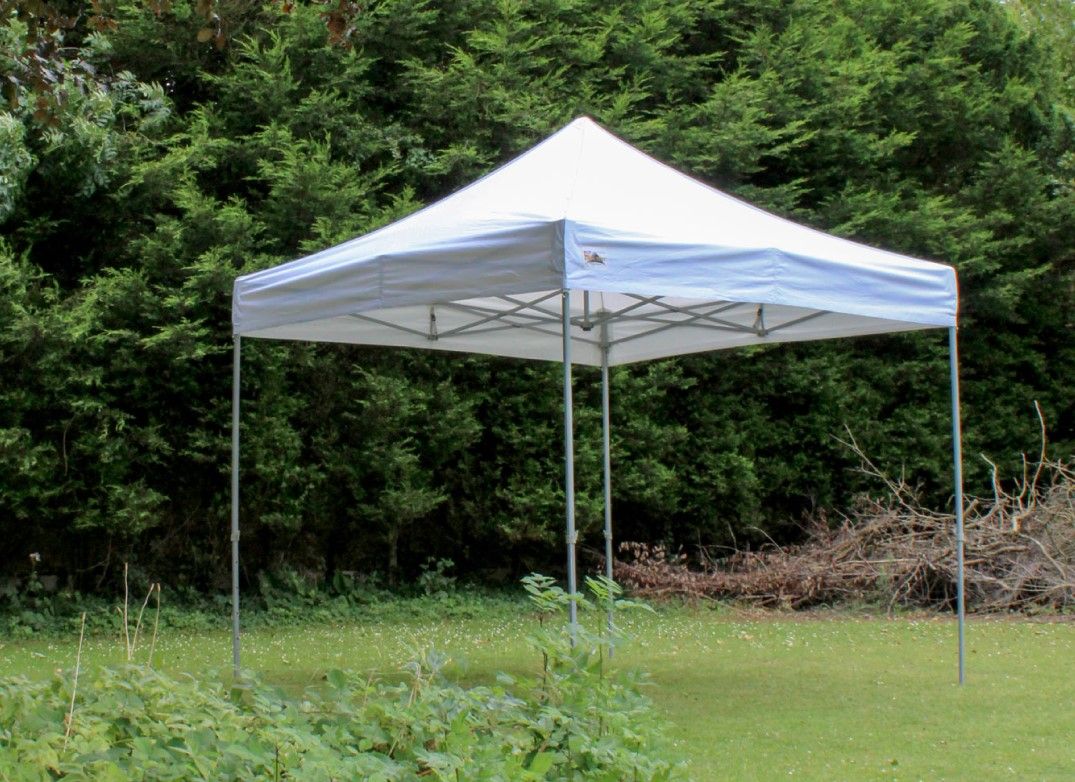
{"x": 747, "y": 697}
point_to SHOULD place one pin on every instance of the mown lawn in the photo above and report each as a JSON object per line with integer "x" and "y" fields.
{"x": 747, "y": 697}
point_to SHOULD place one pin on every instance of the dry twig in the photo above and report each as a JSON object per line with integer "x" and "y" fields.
{"x": 74, "y": 687}
{"x": 1020, "y": 547}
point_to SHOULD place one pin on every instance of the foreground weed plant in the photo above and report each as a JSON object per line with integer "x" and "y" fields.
{"x": 577, "y": 720}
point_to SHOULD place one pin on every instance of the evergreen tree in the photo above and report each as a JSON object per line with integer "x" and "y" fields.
{"x": 153, "y": 151}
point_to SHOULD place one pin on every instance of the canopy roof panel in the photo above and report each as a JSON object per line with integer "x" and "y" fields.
{"x": 667, "y": 265}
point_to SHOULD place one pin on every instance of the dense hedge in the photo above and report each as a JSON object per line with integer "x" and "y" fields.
{"x": 152, "y": 151}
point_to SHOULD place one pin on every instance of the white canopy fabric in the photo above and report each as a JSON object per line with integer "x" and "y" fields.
{"x": 669, "y": 266}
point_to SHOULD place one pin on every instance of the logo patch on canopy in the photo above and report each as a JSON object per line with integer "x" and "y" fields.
{"x": 593, "y": 258}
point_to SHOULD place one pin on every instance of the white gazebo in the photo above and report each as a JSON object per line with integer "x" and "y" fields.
{"x": 585, "y": 250}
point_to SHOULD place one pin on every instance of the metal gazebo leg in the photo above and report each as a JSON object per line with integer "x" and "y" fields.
{"x": 606, "y": 447}
{"x": 957, "y": 458}
{"x": 236, "y": 360}
{"x": 569, "y": 462}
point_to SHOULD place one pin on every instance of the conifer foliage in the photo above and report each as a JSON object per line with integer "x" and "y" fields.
{"x": 152, "y": 151}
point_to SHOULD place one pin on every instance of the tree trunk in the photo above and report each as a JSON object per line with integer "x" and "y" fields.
{"x": 393, "y": 555}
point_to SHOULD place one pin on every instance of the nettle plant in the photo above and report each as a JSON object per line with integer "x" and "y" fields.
{"x": 579, "y": 719}
{"x": 564, "y": 649}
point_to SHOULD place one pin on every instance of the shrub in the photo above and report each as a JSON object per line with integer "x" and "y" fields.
{"x": 576, "y": 721}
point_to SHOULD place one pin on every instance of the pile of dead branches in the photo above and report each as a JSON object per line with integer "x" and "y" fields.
{"x": 1019, "y": 552}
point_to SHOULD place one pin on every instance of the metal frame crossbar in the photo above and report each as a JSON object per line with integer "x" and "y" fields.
{"x": 656, "y": 312}
{"x": 518, "y": 309}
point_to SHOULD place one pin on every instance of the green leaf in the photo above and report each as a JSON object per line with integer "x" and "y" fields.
{"x": 336, "y": 678}
{"x": 542, "y": 762}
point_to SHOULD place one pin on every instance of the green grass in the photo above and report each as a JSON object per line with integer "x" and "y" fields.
{"x": 841, "y": 697}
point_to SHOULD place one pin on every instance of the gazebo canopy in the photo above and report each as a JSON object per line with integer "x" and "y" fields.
{"x": 669, "y": 266}
{"x": 664, "y": 264}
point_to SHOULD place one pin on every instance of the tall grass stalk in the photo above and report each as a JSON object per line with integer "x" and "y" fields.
{"x": 74, "y": 687}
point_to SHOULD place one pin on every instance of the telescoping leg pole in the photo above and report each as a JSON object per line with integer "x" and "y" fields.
{"x": 606, "y": 447}
{"x": 569, "y": 461}
{"x": 957, "y": 458}
{"x": 236, "y": 360}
